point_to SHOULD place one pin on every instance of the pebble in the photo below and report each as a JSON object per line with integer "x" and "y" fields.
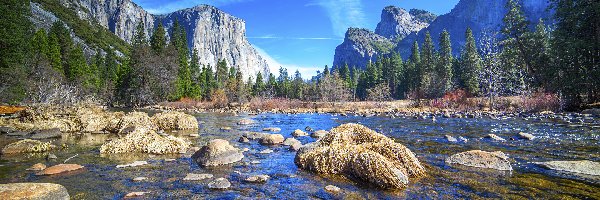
{"x": 332, "y": 189}
{"x": 194, "y": 135}
{"x": 526, "y": 136}
{"x": 450, "y": 138}
{"x": 243, "y": 140}
{"x": 197, "y": 177}
{"x": 495, "y": 137}
{"x": 135, "y": 194}
{"x": 51, "y": 156}
{"x": 266, "y": 151}
{"x": 138, "y": 179}
{"x": 257, "y": 178}
{"x": 37, "y": 167}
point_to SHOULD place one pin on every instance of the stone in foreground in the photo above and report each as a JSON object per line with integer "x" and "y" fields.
{"x": 144, "y": 140}
{"x": 197, "y": 177}
{"x": 219, "y": 184}
{"x": 257, "y": 178}
{"x": 217, "y": 152}
{"x": 481, "y": 159}
{"x": 299, "y": 133}
{"x": 332, "y": 189}
{"x": 319, "y": 134}
{"x": 174, "y": 120}
{"x": 27, "y": 146}
{"x": 33, "y": 191}
{"x": 356, "y": 151}
{"x": 60, "y": 168}
{"x": 580, "y": 167}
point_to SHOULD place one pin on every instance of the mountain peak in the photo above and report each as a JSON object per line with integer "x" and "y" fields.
{"x": 396, "y": 23}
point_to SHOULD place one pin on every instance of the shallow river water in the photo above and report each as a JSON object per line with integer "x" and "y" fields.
{"x": 556, "y": 140}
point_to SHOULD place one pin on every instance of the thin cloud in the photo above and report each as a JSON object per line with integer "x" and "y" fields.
{"x": 343, "y": 14}
{"x": 307, "y": 72}
{"x": 295, "y": 38}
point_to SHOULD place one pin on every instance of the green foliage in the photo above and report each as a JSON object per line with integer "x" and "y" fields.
{"x": 470, "y": 64}
{"x": 158, "y": 41}
{"x": 259, "y": 85}
{"x": 14, "y": 45}
{"x": 54, "y": 54}
{"x": 444, "y": 67}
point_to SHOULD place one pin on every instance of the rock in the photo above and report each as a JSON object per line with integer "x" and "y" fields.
{"x": 37, "y": 167}
{"x": 309, "y": 129}
{"x": 397, "y": 23}
{"x": 225, "y": 128}
{"x": 245, "y": 122}
{"x": 290, "y": 141}
{"x": 131, "y": 122}
{"x": 51, "y": 157}
{"x": 463, "y": 139}
{"x": 217, "y": 152}
{"x": 60, "y": 168}
{"x": 19, "y": 133}
{"x": 594, "y": 111}
{"x": 243, "y": 140}
{"x": 332, "y": 189}
{"x": 139, "y": 179}
{"x": 254, "y": 135}
{"x": 144, "y": 140}
{"x": 33, "y": 191}
{"x": 295, "y": 147}
{"x": 173, "y": 120}
{"x": 197, "y": 177}
{"x": 494, "y": 137}
{"x": 581, "y": 166}
{"x": 356, "y": 151}
{"x": 450, "y": 138}
{"x": 482, "y": 159}
{"x": 255, "y": 162}
{"x": 272, "y": 129}
{"x": 134, "y": 164}
{"x": 45, "y": 134}
{"x": 220, "y": 184}
{"x": 299, "y": 133}
{"x": 135, "y": 194}
{"x": 266, "y": 151}
{"x": 27, "y": 146}
{"x": 319, "y": 134}
{"x": 526, "y": 136}
{"x": 5, "y": 130}
{"x": 272, "y": 139}
{"x": 258, "y": 178}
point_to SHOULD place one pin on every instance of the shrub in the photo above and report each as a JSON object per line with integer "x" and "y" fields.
{"x": 218, "y": 99}
{"x": 540, "y": 101}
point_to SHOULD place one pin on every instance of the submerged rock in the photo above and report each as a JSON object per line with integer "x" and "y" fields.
{"x": 290, "y": 141}
{"x": 143, "y": 140}
{"x": 45, "y": 134}
{"x": 450, "y": 138}
{"x": 356, "y": 151}
{"x": 243, "y": 140}
{"x": 266, "y": 151}
{"x": 174, "y": 120}
{"x": 60, "y": 168}
{"x": 219, "y": 184}
{"x": 135, "y": 194}
{"x": 581, "y": 166}
{"x": 332, "y": 189}
{"x": 482, "y": 159}
{"x": 245, "y": 122}
{"x": 27, "y": 146}
{"x": 254, "y": 135}
{"x": 495, "y": 137}
{"x": 272, "y": 129}
{"x": 217, "y": 152}
{"x": 133, "y": 164}
{"x": 33, "y": 191}
{"x": 296, "y": 146}
{"x": 37, "y": 167}
{"x": 272, "y": 139}
{"x": 257, "y": 178}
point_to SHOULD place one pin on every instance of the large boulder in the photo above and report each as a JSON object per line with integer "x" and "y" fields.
{"x": 131, "y": 121}
{"x": 174, "y": 120}
{"x": 60, "y": 168}
{"x": 145, "y": 140}
{"x": 358, "y": 152}
{"x": 33, "y": 191}
{"x": 481, "y": 159}
{"x": 96, "y": 119}
{"x": 45, "y": 134}
{"x": 27, "y": 146}
{"x": 217, "y": 152}
{"x": 580, "y": 166}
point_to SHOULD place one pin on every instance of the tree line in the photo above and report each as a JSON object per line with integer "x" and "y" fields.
{"x": 49, "y": 66}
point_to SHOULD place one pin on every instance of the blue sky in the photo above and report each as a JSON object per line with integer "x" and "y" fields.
{"x": 300, "y": 34}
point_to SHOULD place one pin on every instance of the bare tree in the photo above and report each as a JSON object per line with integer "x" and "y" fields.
{"x": 381, "y": 92}
{"x": 333, "y": 89}
{"x": 491, "y": 76}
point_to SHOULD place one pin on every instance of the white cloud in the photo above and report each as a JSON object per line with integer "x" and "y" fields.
{"x": 343, "y": 14}
{"x": 307, "y": 72}
{"x": 294, "y": 38}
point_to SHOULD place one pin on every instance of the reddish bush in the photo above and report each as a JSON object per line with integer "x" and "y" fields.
{"x": 540, "y": 101}
{"x": 276, "y": 103}
{"x": 218, "y": 99}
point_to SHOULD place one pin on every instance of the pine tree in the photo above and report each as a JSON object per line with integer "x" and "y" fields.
{"x": 397, "y": 83}
{"x": 39, "y": 44}
{"x": 516, "y": 43}
{"x": 158, "y": 40}
{"x": 221, "y": 73}
{"x": 413, "y": 75}
{"x": 54, "y": 53}
{"x": 428, "y": 63}
{"x": 110, "y": 72}
{"x": 14, "y": 45}
{"x": 326, "y": 71}
{"x": 470, "y": 64}
{"x": 444, "y": 66}
{"x": 259, "y": 85}
{"x": 297, "y": 86}
{"x": 272, "y": 84}
{"x": 78, "y": 68}
{"x": 540, "y": 50}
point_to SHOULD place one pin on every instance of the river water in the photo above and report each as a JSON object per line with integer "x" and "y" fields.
{"x": 557, "y": 139}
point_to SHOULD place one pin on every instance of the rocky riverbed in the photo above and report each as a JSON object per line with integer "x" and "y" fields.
{"x": 252, "y": 155}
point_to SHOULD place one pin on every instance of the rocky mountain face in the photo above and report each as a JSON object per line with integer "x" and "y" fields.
{"x": 214, "y": 33}
{"x": 397, "y": 23}
{"x": 480, "y": 15}
{"x": 361, "y": 45}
